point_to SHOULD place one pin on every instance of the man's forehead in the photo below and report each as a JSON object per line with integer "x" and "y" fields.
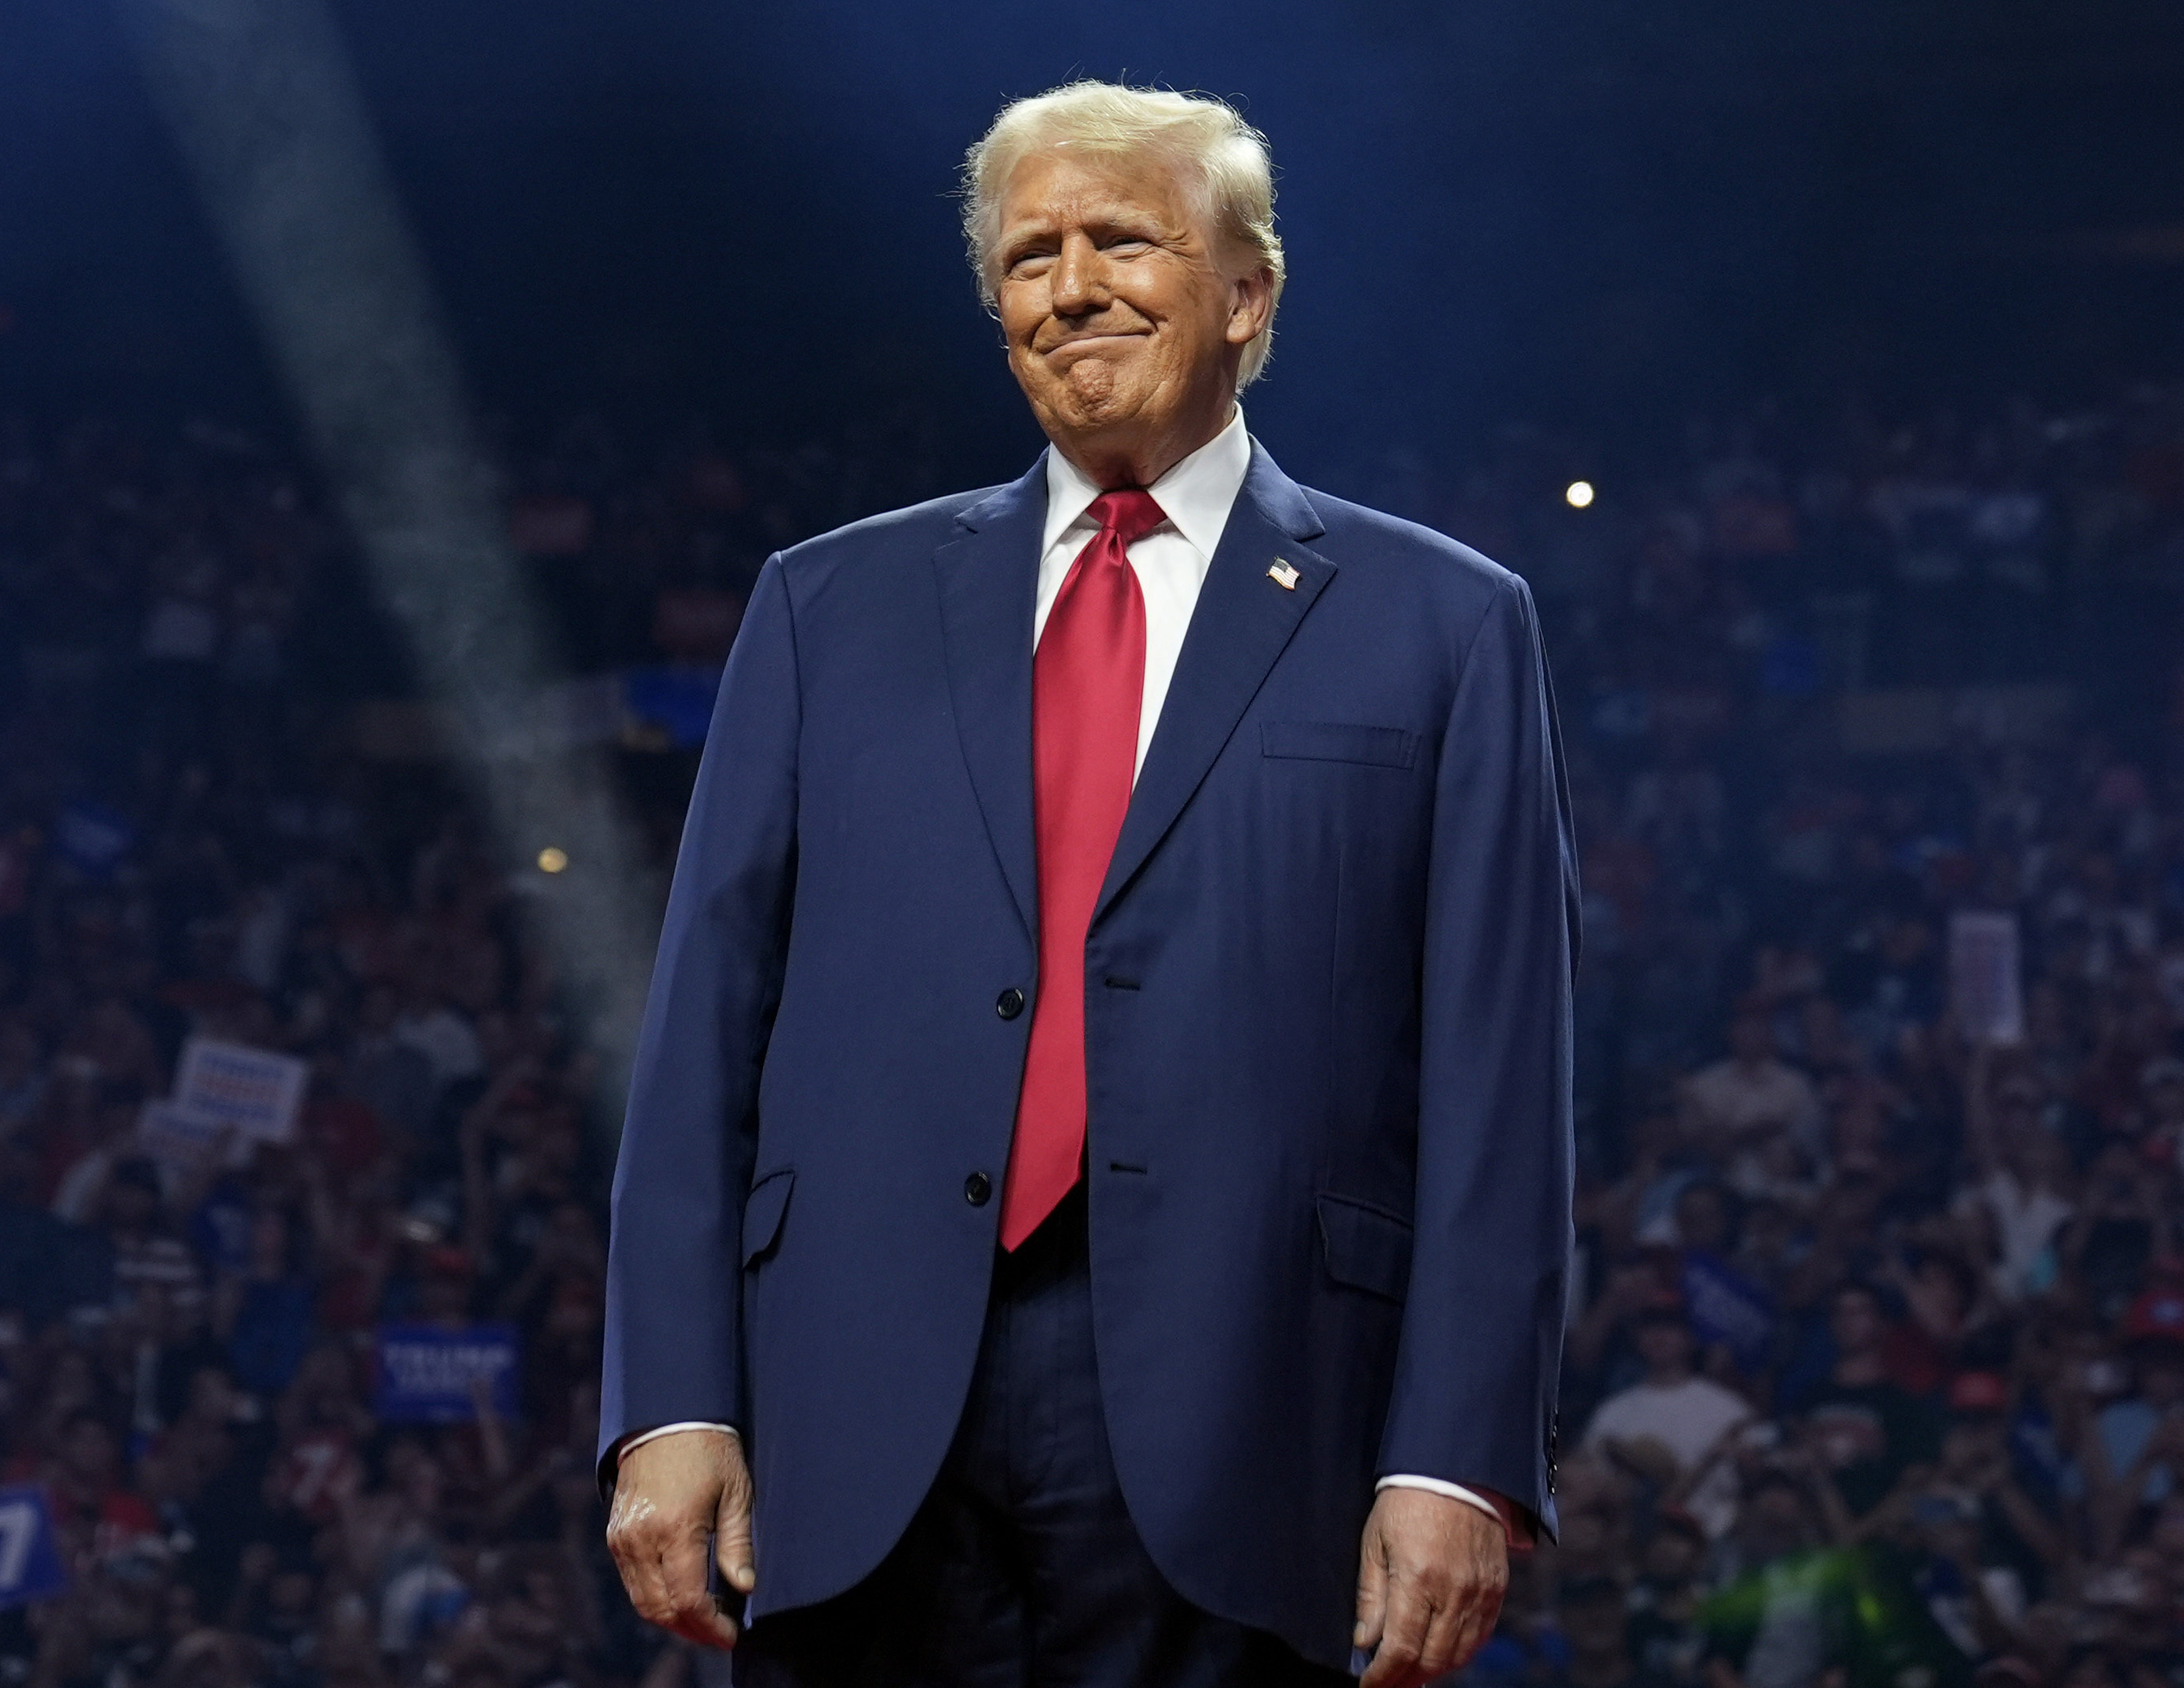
{"x": 1055, "y": 185}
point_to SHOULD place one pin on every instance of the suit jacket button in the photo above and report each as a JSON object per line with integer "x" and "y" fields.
{"x": 977, "y": 1189}
{"x": 1010, "y": 1003}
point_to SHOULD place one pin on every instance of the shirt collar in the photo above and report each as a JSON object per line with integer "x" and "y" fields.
{"x": 1196, "y": 495}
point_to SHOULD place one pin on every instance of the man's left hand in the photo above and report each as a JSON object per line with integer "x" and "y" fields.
{"x": 1430, "y": 1586}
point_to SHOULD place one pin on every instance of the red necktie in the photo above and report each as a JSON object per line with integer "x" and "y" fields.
{"x": 1088, "y": 685}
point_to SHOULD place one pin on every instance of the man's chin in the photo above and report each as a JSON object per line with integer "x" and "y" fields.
{"x": 1090, "y": 403}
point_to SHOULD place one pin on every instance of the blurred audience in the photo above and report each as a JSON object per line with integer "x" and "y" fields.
{"x": 1876, "y": 1363}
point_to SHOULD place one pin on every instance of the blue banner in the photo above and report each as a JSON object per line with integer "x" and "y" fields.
{"x": 432, "y": 1375}
{"x": 676, "y": 700}
{"x": 1727, "y": 1308}
{"x": 31, "y": 1564}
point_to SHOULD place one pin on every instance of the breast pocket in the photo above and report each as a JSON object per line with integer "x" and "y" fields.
{"x": 1339, "y": 741}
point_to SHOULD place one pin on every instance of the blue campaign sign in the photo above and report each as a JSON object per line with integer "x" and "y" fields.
{"x": 1726, "y": 1308}
{"x": 430, "y": 1375}
{"x": 30, "y": 1565}
{"x": 676, "y": 698}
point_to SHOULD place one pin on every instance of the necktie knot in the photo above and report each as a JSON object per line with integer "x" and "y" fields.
{"x": 1129, "y": 514}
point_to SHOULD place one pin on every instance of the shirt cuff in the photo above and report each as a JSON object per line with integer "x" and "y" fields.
{"x": 1515, "y": 1526}
{"x": 641, "y": 1437}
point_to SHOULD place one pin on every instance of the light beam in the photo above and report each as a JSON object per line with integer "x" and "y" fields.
{"x": 261, "y": 100}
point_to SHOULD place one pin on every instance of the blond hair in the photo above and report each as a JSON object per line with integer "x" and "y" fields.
{"x": 1223, "y": 160}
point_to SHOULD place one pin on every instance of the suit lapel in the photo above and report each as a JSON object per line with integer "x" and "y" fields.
{"x": 1243, "y": 621}
{"x": 989, "y": 579}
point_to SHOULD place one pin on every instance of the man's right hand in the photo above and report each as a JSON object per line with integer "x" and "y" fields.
{"x": 671, "y": 1495}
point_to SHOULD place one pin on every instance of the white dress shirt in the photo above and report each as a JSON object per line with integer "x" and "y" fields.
{"x": 1171, "y": 563}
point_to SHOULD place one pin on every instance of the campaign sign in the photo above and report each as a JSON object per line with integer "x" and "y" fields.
{"x": 1986, "y": 978}
{"x": 1726, "y": 1308}
{"x": 255, "y": 1090}
{"x": 429, "y": 1375}
{"x": 180, "y": 1140}
{"x": 31, "y": 1564}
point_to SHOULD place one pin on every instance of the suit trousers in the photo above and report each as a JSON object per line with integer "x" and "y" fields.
{"x": 1021, "y": 1568}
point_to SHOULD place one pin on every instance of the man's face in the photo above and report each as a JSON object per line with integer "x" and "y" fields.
{"x": 1752, "y": 1040}
{"x": 1120, "y": 311}
{"x": 1972, "y": 1444}
{"x": 88, "y": 1453}
{"x": 1672, "y": 1556}
{"x": 1855, "y": 1322}
{"x": 1664, "y": 1343}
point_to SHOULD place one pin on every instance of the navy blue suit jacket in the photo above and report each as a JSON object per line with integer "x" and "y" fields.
{"x": 1327, "y": 1034}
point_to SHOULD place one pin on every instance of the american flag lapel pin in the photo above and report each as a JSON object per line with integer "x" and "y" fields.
{"x": 1283, "y": 575}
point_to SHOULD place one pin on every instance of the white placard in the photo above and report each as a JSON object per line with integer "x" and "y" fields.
{"x": 1985, "y": 986}
{"x": 255, "y": 1090}
{"x": 181, "y": 1141}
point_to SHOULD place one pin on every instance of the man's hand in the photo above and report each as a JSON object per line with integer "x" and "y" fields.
{"x": 670, "y": 1496}
{"x": 1430, "y": 1586}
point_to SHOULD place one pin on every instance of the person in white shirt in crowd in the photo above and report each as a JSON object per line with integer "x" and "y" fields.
{"x": 1733, "y": 1108}
{"x": 2022, "y": 1188}
{"x": 1673, "y": 1407}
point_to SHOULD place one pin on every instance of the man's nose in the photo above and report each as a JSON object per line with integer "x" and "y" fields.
{"x": 1078, "y": 285}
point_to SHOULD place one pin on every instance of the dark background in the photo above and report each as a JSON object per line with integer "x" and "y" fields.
{"x": 1593, "y": 215}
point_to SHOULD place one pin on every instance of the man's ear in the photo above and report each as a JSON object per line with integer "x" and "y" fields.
{"x": 1251, "y": 308}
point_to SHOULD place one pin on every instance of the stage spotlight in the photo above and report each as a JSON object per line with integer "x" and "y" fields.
{"x": 1578, "y": 494}
{"x": 261, "y": 96}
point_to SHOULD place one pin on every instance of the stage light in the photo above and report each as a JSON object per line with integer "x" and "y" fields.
{"x": 1578, "y": 494}
{"x": 261, "y": 96}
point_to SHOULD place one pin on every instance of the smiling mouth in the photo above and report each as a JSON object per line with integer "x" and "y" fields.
{"x": 1081, "y": 340}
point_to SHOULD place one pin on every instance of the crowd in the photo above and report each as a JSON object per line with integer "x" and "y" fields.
{"x": 1877, "y": 1356}
{"x": 1876, "y": 1364}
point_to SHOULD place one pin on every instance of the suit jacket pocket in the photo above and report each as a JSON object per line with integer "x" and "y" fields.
{"x": 1339, "y": 741}
{"x": 763, "y": 1209}
{"x": 1368, "y": 1248}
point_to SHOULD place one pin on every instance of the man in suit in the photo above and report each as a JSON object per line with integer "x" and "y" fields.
{"x": 1095, "y": 1204}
